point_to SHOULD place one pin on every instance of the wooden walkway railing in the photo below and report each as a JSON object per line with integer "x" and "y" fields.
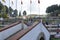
{"x": 10, "y": 30}
{"x": 21, "y": 33}
{"x": 7, "y": 27}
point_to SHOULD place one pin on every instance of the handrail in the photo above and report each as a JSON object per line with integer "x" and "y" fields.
{"x": 7, "y": 27}
{"x": 57, "y": 30}
{"x": 51, "y": 25}
{"x": 20, "y": 34}
{"x": 45, "y": 26}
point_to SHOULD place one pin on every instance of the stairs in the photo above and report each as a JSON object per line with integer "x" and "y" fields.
{"x": 53, "y": 29}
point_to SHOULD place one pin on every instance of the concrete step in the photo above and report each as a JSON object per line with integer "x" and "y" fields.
{"x": 57, "y": 35}
{"x": 52, "y": 28}
{"x": 53, "y": 33}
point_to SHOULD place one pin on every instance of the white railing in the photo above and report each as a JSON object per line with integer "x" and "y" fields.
{"x": 51, "y": 25}
{"x": 10, "y": 31}
{"x": 34, "y": 33}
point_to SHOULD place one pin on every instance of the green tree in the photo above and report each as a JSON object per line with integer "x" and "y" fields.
{"x": 6, "y": 9}
{"x": 24, "y": 13}
{"x": 1, "y": 7}
{"x": 3, "y": 10}
{"x": 5, "y": 15}
{"x": 0, "y": 15}
{"x": 10, "y": 11}
{"x": 15, "y": 13}
{"x": 20, "y": 13}
{"x": 53, "y": 10}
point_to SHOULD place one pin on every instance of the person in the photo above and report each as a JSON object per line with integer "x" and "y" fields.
{"x": 58, "y": 29}
{"x": 46, "y": 23}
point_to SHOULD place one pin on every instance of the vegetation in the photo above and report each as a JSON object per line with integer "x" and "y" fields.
{"x": 55, "y": 38}
{"x": 24, "y": 13}
{"x": 20, "y": 13}
{"x": 1, "y": 6}
{"x": 53, "y": 10}
{"x": 15, "y": 13}
{"x": 5, "y": 11}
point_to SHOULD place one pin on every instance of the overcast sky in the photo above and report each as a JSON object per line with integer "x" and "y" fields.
{"x": 35, "y": 7}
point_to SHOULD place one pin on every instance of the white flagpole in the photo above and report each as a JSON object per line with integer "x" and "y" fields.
{"x": 9, "y": 9}
{"x": 30, "y": 9}
{"x": 22, "y": 16}
{"x": 39, "y": 7}
{"x": 16, "y": 4}
{"x": 16, "y": 9}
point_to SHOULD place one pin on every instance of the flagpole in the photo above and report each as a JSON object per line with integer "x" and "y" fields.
{"x": 4, "y": 10}
{"x": 9, "y": 3}
{"x": 30, "y": 9}
{"x": 21, "y": 7}
{"x": 22, "y": 15}
{"x": 9, "y": 9}
{"x": 39, "y": 7}
{"x": 16, "y": 9}
{"x": 16, "y": 4}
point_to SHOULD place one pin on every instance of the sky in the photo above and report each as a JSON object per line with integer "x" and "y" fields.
{"x": 34, "y": 7}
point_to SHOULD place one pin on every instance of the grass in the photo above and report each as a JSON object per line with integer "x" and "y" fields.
{"x": 55, "y": 38}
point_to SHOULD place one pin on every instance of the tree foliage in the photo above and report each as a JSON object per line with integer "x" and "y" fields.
{"x": 15, "y": 13}
{"x": 5, "y": 11}
{"x": 53, "y": 10}
{"x": 20, "y": 13}
{"x": 5, "y": 15}
{"x": 24, "y": 13}
{"x": 10, "y": 11}
{"x": 1, "y": 7}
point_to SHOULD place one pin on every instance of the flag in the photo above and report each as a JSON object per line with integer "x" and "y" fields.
{"x": 3, "y": 0}
{"x": 12, "y": 2}
{"x": 39, "y": 1}
{"x": 30, "y": 1}
{"x": 21, "y": 2}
